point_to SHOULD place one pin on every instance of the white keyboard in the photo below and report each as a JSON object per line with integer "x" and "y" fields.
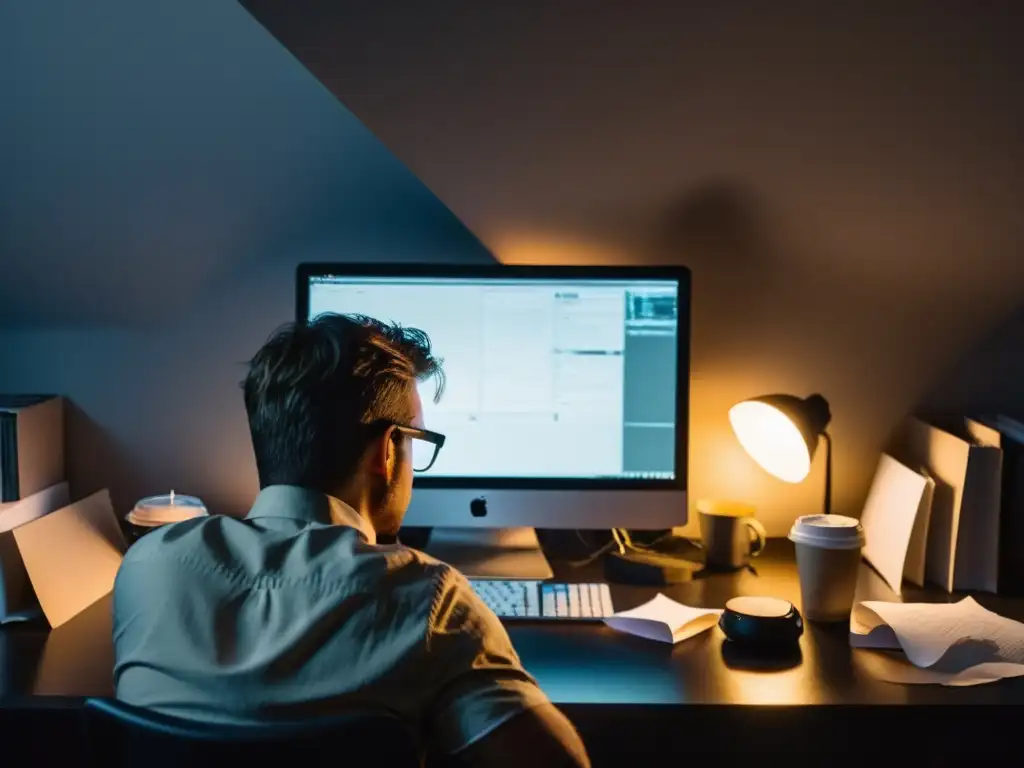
{"x": 545, "y": 599}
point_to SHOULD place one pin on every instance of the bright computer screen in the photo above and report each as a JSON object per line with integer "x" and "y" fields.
{"x": 545, "y": 378}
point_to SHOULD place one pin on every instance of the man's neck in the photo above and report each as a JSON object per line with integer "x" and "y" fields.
{"x": 357, "y": 497}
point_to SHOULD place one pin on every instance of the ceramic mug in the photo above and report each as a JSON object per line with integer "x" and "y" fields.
{"x": 730, "y": 532}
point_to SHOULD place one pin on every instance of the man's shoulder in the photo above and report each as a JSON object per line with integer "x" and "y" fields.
{"x": 170, "y": 540}
{"x": 218, "y": 538}
{"x": 444, "y": 585}
{"x": 455, "y": 604}
{"x": 406, "y": 564}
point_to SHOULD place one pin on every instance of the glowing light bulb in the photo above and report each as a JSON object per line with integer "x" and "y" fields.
{"x": 771, "y": 439}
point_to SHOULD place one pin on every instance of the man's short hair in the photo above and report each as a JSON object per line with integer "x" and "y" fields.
{"x": 315, "y": 391}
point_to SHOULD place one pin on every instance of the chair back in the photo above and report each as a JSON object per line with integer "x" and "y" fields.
{"x": 119, "y": 734}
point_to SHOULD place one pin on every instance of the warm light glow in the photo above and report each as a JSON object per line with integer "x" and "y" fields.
{"x": 771, "y": 439}
{"x": 536, "y": 248}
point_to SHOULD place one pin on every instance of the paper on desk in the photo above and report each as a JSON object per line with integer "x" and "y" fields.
{"x": 894, "y": 668}
{"x": 949, "y": 643}
{"x": 72, "y": 555}
{"x": 663, "y": 619}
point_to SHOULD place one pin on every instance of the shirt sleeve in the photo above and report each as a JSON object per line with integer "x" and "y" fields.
{"x": 481, "y": 682}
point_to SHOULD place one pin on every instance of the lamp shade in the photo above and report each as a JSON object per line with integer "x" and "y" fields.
{"x": 781, "y": 432}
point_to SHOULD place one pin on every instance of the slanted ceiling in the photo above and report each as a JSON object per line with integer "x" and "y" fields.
{"x": 151, "y": 151}
{"x": 885, "y": 137}
{"x": 846, "y": 171}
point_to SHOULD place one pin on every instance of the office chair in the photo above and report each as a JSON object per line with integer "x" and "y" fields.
{"x": 120, "y": 735}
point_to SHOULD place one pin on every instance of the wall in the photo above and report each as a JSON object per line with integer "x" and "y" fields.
{"x": 845, "y": 180}
{"x": 165, "y": 166}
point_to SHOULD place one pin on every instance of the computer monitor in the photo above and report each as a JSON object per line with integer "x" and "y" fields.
{"x": 565, "y": 404}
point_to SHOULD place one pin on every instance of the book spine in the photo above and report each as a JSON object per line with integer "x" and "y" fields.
{"x": 1011, "y": 522}
{"x": 9, "y": 485}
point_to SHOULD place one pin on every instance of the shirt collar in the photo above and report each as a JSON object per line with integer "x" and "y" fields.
{"x": 297, "y": 503}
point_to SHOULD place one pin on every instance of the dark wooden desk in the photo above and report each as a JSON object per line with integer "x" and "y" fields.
{"x": 628, "y": 693}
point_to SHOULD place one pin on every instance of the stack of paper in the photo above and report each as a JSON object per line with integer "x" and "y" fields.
{"x": 951, "y": 644}
{"x": 665, "y": 620}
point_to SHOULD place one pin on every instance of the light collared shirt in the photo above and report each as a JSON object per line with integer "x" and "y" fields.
{"x": 296, "y": 611}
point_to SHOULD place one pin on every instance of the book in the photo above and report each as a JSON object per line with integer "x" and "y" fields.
{"x": 963, "y": 532}
{"x": 1010, "y": 433}
{"x": 31, "y": 444}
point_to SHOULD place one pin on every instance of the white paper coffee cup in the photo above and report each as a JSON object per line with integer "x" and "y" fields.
{"x": 828, "y": 560}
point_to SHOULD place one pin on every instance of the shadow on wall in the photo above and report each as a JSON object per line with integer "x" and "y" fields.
{"x": 95, "y": 460}
{"x": 750, "y": 329}
{"x": 776, "y": 310}
{"x": 987, "y": 379}
{"x": 723, "y": 234}
{"x": 736, "y": 250}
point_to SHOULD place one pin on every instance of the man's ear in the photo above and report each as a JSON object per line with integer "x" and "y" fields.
{"x": 381, "y": 453}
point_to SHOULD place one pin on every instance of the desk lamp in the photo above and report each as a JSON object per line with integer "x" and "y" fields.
{"x": 782, "y": 432}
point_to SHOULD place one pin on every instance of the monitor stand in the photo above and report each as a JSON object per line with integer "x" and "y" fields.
{"x": 491, "y": 553}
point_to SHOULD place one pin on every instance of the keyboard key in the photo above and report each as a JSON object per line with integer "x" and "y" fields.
{"x": 548, "y": 601}
{"x": 574, "y": 601}
{"x": 606, "y": 600}
{"x": 561, "y": 600}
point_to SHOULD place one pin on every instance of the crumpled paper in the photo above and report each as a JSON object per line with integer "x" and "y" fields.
{"x": 945, "y": 643}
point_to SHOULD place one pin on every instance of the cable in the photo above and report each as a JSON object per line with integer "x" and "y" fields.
{"x": 627, "y": 540}
{"x": 623, "y": 540}
{"x": 617, "y": 535}
{"x": 592, "y": 556}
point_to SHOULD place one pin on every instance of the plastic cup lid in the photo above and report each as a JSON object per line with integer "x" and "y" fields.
{"x": 828, "y": 531}
{"x": 165, "y": 509}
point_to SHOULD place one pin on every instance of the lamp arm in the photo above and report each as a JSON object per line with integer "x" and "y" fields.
{"x": 828, "y": 472}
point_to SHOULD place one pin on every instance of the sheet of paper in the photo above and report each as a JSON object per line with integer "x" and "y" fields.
{"x": 890, "y": 514}
{"x": 72, "y": 555}
{"x": 956, "y": 643}
{"x": 32, "y": 507}
{"x": 665, "y": 620}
